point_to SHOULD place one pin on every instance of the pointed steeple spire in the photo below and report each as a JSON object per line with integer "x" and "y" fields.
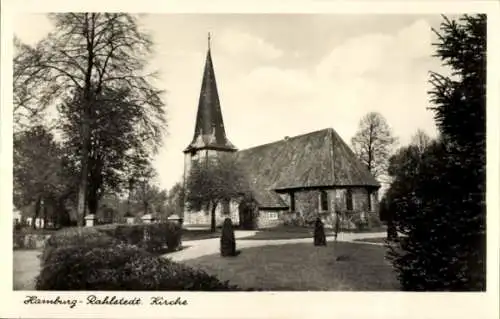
{"x": 209, "y": 130}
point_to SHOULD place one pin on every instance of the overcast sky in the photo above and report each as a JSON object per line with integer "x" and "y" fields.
{"x": 285, "y": 75}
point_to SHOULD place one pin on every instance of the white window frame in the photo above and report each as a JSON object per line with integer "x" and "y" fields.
{"x": 272, "y": 215}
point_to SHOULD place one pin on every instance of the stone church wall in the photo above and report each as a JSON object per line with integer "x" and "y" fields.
{"x": 307, "y": 202}
{"x": 269, "y": 218}
{"x": 307, "y": 207}
{"x": 203, "y": 218}
{"x": 359, "y": 199}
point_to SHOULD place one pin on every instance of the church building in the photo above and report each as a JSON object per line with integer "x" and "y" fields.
{"x": 292, "y": 180}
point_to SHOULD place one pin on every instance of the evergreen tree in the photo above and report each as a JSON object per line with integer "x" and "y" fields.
{"x": 227, "y": 239}
{"x": 319, "y": 233}
{"x": 439, "y": 195}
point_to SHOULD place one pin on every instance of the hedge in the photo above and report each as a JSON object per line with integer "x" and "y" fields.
{"x": 120, "y": 267}
{"x": 89, "y": 259}
{"x": 151, "y": 237}
{"x": 76, "y": 236}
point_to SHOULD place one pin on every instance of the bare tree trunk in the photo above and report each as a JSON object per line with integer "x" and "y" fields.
{"x": 212, "y": 223}
{"x": 44, "y": 210}
{"x": 85, "y": 138}
{"x": 82, "y": 188}
{"x": 37, "y": 212}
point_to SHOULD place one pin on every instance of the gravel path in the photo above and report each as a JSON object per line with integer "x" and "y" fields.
{"x": 197, "y": 248}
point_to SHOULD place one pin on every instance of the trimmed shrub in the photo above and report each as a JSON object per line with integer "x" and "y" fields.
{"x": 77, "y": 236}
{"x": 227, "y": 240}
{"x": 151, "y": 237}
{"x": 319, "y": 233}
{"x": 120, "y": 267}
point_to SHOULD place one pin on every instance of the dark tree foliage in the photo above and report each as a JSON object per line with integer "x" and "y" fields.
{"x": 319, "y": 233}
{"x": 215, "y": 181}
{"x": 248, "y": 212}
{"x": 119, "y": 148}
{"x": 227, "y": 239}
{"x": 438, "y": 196}
{"x": 40, "y": 174}
{"x": 93, "y": 68}
{"x": 175, "y": 200}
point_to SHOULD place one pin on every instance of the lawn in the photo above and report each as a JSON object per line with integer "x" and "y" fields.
{"x": 379, "y": 240}
{"x": 300, "y": 267}
{"x": 26, "y": 268}
{"x": 198, "y": 234}
{"x": 285, "y": 232}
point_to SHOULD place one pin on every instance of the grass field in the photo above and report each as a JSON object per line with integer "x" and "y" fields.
{"x": 300, "y": 267}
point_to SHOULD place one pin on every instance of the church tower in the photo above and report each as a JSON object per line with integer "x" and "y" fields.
{"x": 209, "y": 137}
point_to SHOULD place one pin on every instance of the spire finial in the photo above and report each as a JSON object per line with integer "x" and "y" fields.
{"x": 209, "y": 37}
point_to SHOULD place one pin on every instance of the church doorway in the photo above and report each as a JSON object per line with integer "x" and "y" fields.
{"x": 248, "y": 213}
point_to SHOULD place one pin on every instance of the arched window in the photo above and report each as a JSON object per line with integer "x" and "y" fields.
{"x": 348, "y": 200}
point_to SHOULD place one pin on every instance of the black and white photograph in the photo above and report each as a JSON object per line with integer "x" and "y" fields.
{"x": 247, "y": 152}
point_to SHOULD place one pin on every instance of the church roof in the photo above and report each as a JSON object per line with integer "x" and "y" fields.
{"x": 209, "y": 130}
{"x": 317, "y": 159}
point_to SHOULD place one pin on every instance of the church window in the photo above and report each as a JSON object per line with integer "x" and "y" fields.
{"x": 323, "y": 200}
{"x": 272, "y": 216}
{"x": 348, "y": 200}
{"x": 292, "y": 202}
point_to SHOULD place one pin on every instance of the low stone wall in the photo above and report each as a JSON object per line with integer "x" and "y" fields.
{"x": 29, "y": 241}
{"x": 202, "y": 218}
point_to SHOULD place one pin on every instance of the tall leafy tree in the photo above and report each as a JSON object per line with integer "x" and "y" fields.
{"x": 439, "y": 195}
{"x": 175, "y": 200}
{"x": 88, "y": 61}
{"x": 215, "y": 182}
{"x": 146, "y": 197}
{"x": 39, "y": 171}
{"x": 373, "y": 143}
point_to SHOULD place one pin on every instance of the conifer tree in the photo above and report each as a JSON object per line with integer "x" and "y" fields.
{"x": 439, "y": 195}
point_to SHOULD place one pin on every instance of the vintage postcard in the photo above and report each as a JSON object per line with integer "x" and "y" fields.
{"x": 250, "y": 160}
